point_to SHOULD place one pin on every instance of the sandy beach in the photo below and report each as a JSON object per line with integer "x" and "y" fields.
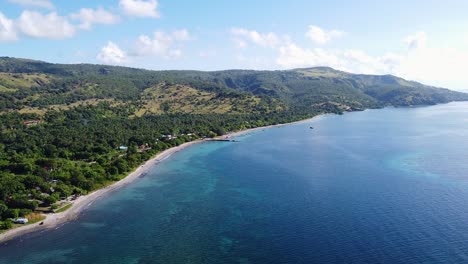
{"x": 55, "y": 219}
{"x": 82, "y": 202}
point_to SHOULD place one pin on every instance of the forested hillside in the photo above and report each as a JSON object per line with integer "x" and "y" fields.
{"x": 70, "y": 129}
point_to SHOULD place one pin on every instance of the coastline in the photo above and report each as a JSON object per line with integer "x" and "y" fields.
{"x": 81, "y": 203}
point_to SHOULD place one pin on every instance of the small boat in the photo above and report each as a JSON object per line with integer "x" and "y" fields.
{"x": 311, "y": 127}
{"x": 41, "y": 223}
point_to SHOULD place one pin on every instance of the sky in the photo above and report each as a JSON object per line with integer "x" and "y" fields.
{"x": 425, "y": 41}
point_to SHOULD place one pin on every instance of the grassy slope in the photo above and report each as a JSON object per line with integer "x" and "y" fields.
{"x": 11, "y": 82}
{"x": 165, "y": 98}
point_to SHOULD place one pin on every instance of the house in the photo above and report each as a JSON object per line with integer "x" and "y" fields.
{"x": 168, "y": 137}
{"x": 21, "y": 220}
{"x": 32, "y": 122}
{"x": 143, "y": 148}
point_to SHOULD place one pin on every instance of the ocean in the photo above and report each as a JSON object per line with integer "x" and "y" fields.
{"x": 378, "y": 186}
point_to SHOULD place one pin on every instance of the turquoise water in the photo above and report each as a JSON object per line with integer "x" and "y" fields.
{"x": 379, "y": 186}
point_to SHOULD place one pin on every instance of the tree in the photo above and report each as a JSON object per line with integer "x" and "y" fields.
{"x": 32, "y": 181}
{"x": 212, "y": 134}
{"x": 9, "y": 185}
{"x": 220, "y": 131}
{"x": 64, "y": 190}
{"x": 11, "y": 213}
{"x": 3, "y": 209}
{"x": 24, "y": 212}
{"x": 49, "y": 200}
{"x": 5, "y": 225}
{"x": 51, "y": 151}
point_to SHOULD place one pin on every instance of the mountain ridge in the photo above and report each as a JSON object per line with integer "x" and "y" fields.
{"x": 314, "y": 68}
{"x": 54, "y": 85}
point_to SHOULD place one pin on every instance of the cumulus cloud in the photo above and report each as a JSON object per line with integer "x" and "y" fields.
{"x": 435, "y": 66}
{"x": 359, "y": 61}
{"x": 181, "y": 35}
{"x": 243, "y": 36}
{"x": 7, "y": 29}
{"x": 34, "y": 3}
{"x": 293, "y": 56}
{"x": 321, "y": 36}
{"x": 88, "y": 17}
{"x": 356, "y": 61}
{"x": 112, "y": 54}
{"x": 50, "y": 26}
{"x": 241, "y": 44}
{"x": 140, "y": 8}
{"x": 53, "y": 26}
{"x": 162, "y": 44}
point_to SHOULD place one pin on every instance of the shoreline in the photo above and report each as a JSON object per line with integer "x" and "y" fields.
{"x": 81, "y": 203}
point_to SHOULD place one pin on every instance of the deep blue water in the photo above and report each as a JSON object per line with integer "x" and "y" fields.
{"x": 379, "y": 186}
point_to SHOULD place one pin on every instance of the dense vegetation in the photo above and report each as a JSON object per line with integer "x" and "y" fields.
{"x": 70, "y": 129}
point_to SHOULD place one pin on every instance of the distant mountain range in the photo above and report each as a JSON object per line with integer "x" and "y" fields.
{"x": 35, "y": 86}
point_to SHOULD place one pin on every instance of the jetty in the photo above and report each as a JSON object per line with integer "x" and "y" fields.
{"x": 222, "y": 140}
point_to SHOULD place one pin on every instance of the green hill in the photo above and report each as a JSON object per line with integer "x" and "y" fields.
{"x": 34, "y": 85}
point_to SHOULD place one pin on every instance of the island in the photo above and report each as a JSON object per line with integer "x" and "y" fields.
{"x": 70, "y": 133}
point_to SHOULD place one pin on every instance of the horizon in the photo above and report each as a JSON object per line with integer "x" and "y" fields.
{"x": 175, "y": 35}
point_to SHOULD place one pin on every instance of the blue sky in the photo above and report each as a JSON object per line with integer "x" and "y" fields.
{"x": 425, "y": 41}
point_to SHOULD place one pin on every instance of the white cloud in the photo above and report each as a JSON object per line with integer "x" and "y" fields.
{"x": 50, "y": 26}
{"x": 416, "y": 41}
{"x": 321, "y": 36}
{"x": 437, "y": 66}
{"x": 430, "y": 65}
{"x": 181, "y": 35}
{"x": 7, "y": 29}
{"x": 112, "y": 54}
{"x": 53, "y": 26}
{"x": 360, "y": 62}
{"x": 356, "y": 61}
{"x": 242, "y": 36}
{"x": 88, "y": 17}
{"x": 161, "y": 44}
{"x": 34, "y": 3}
{"x": 140, "y": 8}
{"x": 293, "y": 56}
{"x": 434, "y": 66}
{"x": 241, "y": 44}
